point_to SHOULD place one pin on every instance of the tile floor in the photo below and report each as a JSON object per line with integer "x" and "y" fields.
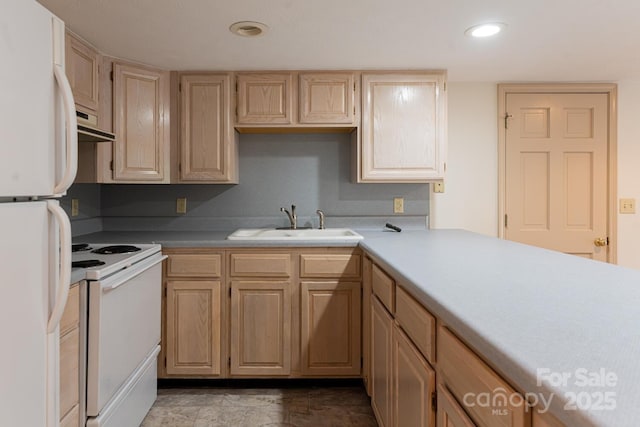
{"x": 261, "y": 407}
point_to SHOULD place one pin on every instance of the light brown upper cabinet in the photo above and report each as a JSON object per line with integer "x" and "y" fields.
{"x": 403, "y": 135}
{"x": 141, "y": 124}
{"x": 208, "y": 146}
{"x": 264, "y": 98}
{"x": 326, "y": 98}
{"x": 297, "y": 100}
{"x": 82, "y": 72}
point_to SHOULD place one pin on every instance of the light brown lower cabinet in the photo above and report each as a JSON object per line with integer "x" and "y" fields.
{"x": 193, "y": 330}
{"x": 70, "y": 360}
{"x": 465, "y": 374}
{"x": 545, "y": 419}
{"x": 260, "y": 327}
{"x": 381, "y": 363}
{"x": 450, "y": 414}
{"x": 330, "y": 328}
{"x": 414, "y": 384}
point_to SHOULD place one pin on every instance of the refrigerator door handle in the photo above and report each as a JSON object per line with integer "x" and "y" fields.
{"x": 62, "y": 287}
{"x": 71, "y": 121}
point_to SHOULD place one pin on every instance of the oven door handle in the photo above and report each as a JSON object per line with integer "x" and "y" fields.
{"x": 129, "y": 273}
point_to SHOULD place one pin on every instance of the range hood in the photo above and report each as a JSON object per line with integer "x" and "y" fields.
{"x": 88, "y": 131}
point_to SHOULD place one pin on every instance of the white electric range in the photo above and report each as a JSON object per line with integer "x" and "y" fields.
{"x": 124, "y": 285}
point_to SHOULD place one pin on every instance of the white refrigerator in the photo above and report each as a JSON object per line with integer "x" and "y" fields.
{"x": 38, "y": 161}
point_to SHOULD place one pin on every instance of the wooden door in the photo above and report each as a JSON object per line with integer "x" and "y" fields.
{"x": 193, "y": 327}
{"x": 330, "y": 328}
{"x": 82, "y": 71}
{"x": 207, "y": 150}
{"x": 403, "y": 127}
{"x": 141, "y": 124}
{"x": 264, "y": 98}
{"x": 556, "y": 171}
{"x": 414, "y": 383}
{"x": 450, "y": 413}
{"x": 381, "y": 363}
{"x": 326, "y": 98}
{"x": 260, "y": 328}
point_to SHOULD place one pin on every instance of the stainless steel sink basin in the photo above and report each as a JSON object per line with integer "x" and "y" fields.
{"x": 299, "y": 234}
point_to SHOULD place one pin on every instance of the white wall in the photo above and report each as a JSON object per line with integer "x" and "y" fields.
{"x": 470, "y": 200}
{"x": 629, "y": 170}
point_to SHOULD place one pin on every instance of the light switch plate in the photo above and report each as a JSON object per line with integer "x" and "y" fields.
{"x": 398, "y": 205}
{"x": 627, "y": 206}
{"x": 438, "y": 187}
{"x": 75, "y": 207}
{"x": 181, "y": 205}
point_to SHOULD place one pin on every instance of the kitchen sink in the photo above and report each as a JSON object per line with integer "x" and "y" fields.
{"x": 289, "y": 234}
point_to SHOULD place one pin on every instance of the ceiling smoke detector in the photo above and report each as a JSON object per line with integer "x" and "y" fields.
{"x": 248, "y": 28}
{"x": 485, "y": 30}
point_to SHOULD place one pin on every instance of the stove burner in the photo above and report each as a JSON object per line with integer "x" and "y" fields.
{"x": 87, "y": 263}
{"x": 116, "y": 249}
{"x": 78, "y": 247}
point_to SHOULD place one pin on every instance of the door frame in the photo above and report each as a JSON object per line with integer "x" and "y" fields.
{"x": 611, "y": 90}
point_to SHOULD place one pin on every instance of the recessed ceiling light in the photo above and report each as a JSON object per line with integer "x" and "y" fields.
{"x": 485, "y": 30}
{"x": 248, "y": 28}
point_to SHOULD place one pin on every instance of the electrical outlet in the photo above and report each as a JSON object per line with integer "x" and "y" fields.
{"x": 627, "y": 206}
{"x": 75, "y": 207}
{"x": 438, "y": 187}
{"x": 398, "y": 205}
{"x": 181, "y": 205}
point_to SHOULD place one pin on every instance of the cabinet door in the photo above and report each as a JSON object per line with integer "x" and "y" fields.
{"x": 207, "y": 146}
{"x": 330, "y": 329}
{"x": 82, "y": 71}
{"x": 260, "y": 328}
{"x": 450, "y": 414}
{"x": 545, "y": 419}
{"x": 403, "y": 128}
{"x": 264, "y": 98}
{"x": 141, "y": 124}
{"x": 193, "y": 343}
{"x": 414, "y": 383}
{"x": 69, "y": 371}
{"x": 366, "y": 323}
{"x": 381, "y": 363}
{"x": 326, "y": 98}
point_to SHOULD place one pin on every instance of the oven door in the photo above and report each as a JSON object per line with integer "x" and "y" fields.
{"x": 124, "y": 328}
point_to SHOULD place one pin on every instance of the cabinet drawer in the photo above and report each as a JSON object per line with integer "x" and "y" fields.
{"x": 260, "y": 265}
{"x": 71, "y": 314}
{"x": 194, "y": 265}
{"x": 383, "y": 286}
{"x": 464, "y": 372}
{"x": 330, "y": 265}
{"x": 417, "y": 322}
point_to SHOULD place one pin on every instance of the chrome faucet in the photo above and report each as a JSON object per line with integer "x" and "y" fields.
{"x": 321, "y": 216}
{"x": 292, "y": 216}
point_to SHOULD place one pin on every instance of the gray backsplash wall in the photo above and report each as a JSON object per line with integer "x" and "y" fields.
{"x": 89, "y": 218}
{"x": 312, "y": 171}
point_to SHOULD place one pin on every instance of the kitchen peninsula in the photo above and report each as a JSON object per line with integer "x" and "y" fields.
{"x": 523, "y": 314}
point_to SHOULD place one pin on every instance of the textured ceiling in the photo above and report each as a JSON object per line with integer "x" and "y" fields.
{"x": 550, "y": 40}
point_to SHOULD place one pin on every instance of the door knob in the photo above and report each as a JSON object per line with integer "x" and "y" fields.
{"x": 600, "y": 242}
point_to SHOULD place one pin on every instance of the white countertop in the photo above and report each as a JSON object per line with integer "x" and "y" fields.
{"x": 522, "y": 308}
{"x": 526, "y": 308}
